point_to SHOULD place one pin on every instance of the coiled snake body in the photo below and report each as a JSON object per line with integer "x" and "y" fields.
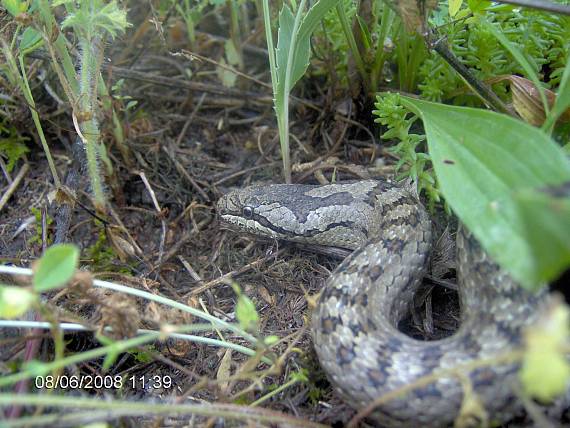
{"x": 354, "y": 324}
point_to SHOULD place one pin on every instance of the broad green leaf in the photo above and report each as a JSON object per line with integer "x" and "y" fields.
{"x": 55, "y": 267}
{"x": 31, "y": 40}
{"x": 483, "y": 160}
{"x": 14, "y": 301}
{"x": 546, "y": 212}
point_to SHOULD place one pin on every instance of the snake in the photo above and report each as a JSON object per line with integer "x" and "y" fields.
{"x": 355, "y": 322}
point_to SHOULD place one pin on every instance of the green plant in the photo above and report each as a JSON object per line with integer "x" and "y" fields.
{"x": 192, "y": 12}
{"x": 366, "y": 39}
{"x": 539, "y": 39}
{"x": 102, "y": 256}
{"x": 490, "y": 168}
{"x": 54, "y": 269}
{"x": 290, "y": 59}
{"x": 413, "y": 161}
{"x": 37, "y": 237}
{"x": 92, "y": 22}
{"x": 57, "y": 266}
{"x": 12, "y": 145}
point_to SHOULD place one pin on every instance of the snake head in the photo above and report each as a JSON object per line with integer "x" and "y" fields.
{"x": 250, "y": 210}
{"x": 339, "y": 215}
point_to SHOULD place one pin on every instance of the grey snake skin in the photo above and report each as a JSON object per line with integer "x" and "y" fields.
{"x": 354, "y": 325}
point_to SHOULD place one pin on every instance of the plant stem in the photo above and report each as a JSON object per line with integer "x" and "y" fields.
{"x": 235, "y": 35}
{"x": 275, "y": 392}
{"x": 60, "y": 47}
{"x": 134, "y": 408}
{"x": 117, "y": 347}
{"x": 118, "y": 133}
{"x": 178, "y": 332}
{"x": 282, "y": 116}
{"x": 14, "y": 270}
{"x": 478, "y": 87}
{"x": 89, "y": 128}
{"x": 22, "y": 81}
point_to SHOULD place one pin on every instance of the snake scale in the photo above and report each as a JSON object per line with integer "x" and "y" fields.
{"x": 355, "y": 323}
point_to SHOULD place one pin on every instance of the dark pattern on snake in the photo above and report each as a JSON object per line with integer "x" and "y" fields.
{"x": 354, "y": 325}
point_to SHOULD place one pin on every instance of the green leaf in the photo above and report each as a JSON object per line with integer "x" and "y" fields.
{"x": 15, "y": 7}
{"x": 477, "y": 6}
{"x": 91, "y": 20}
{"x": 114, "y": 351}
{"x": 546, "y": 213}
{"x": 13, "y": 148}
{"x": 365, "y": 33}
{"x": 60, "y": 2}
{"x": 299, "y": 52}
{"x": 31, "y": 40}
{"x": 484, "y": 161}
{"x": 454, "y": 6}
{"x": 314, "y": 17}
{"x": 15, "y": 301}
{"x": 246, "y": 313}
{"x": 36, "y": 368}
{"x": 56, "y": 267}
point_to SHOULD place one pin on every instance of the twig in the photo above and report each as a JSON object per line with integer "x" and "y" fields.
{"x": 534, "y": 411}
{"x": 182, "y": 171}
{"x": 159, "y": 215}
{"x": 190, "y": 119}
{"x": 224, "y": 278}
{"x": 4, "y": 169}
{"x": 479, "y": 87}
{"x": 248, "y": 96}
{"x": 189, "y": 54}
{"x": 14, "y": 185}
{"x": 244, "y": 171}
{"x": 184, "y": 239}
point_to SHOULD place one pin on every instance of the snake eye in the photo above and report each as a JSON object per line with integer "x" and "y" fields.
{"x": 247, "y": 213}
